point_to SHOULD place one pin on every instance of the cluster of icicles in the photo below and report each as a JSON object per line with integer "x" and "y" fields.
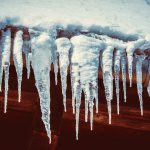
{"x": 82, "y": 55}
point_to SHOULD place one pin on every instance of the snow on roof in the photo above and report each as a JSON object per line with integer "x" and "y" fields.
{"x": 116, "y": 15}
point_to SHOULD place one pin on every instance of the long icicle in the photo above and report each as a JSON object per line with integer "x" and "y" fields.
{"x": 117, "y": 57}
{"x": 63, "y": 47}
{"x": 41, "y": 66}
{"x": 85, "y": 64}
{"x": 78, "y": 103}
{"x": 1, "y": 33}
{"x": 54, "y": 53}
{"x": 131, "y": 47}
{"x": 17, "y": 57}
{"x": 139, "y": 62}
{"x": 6, "y": 45}
{"x": 123, "y": 69}
{"x": 148, "y": 87}
{"x": 107, "y": 56}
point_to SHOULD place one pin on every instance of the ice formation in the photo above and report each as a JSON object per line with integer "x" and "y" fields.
{"x": 63, "y": 47}
{"x": 123, "y": 68}
{"x": 28, "y": 55}
{"x": 139, "y": 62}
{"x": 148, "y": 87}
{"x": 6, "y": 50}
{"x": 41, "y": 60}
{"x": 17, "y": 57}
{"x": 79, "y": 55}
{"x": 85, "y": 60}
{"x": 132, "y": 46}
{"x": 107, "y": 62}
{"x": 117, "y": 58}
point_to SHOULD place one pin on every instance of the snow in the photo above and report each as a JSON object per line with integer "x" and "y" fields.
{"x": 122, "y": 15}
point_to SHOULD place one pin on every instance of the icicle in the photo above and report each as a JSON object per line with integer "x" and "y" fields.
{"x": 54, "y": 58}
{"x": 139, "y": 61}
{"x": 28, "y": 55}
{"x": 91, "y": 104}
{"x": 72, "y": 80}
{"x": 148, "y": 87}
{"x": 84, "y": 74}
{"x": 63, "y": 47}
{"x": 41, "y": 66}
{"x": 107, "y": 57}
{"x": 28, "y": 61}
{"x": 17, "y": 57}
{"x": 72, "y": 83}
{"x": 117, "y": 57}
{"x": 76, "y": 88}
{"x": 78, "y": 103}
{"x": 55, "y": 62}
{"x": 123, "y": 69}
{"x": 1, "y": 60}
{"x": 130, "y": 61}
{"x": 6, "y": 46}
{"x": 87, "y": 97}
{"x": 54, "y": 55}
{"x": 131, "y": 47}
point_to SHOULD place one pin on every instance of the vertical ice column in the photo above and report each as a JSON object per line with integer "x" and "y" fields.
{"x": 76, "y": 88}
{"x": 139, "y": 61}
{"x": 1, "y": 60}
{"x": 6, "y": 48}
{"x": 130, "y": 61}
{"x": 84, "y": 73}
{"x": 131, "y": 47}
{"x": 107, "y": 57}
{"x": 41, "y": 65}
{"x": 54, "y": 54}
{"x": 17, "y": 57}
{"x": 117, "y": 57}
{"x": 77, "y": 91}
{"x": 28, "y": 55}
{"x": 123, "y": 69}
{"x": 72, "y": 79}
{"x": 55, "y": 63}
{"x": 63, "y": 47}
{"x": 148, "y": 87}
{"x": 87, "y": 99}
